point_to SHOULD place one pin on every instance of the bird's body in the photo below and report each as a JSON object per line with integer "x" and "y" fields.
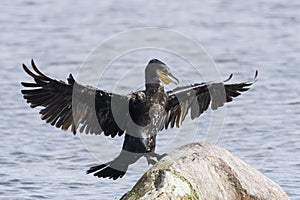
{"x": 140, "y": 115}
{"x": 146, "y": 110}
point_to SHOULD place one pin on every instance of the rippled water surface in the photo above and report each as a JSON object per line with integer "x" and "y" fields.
{"x": 261, "y": 127}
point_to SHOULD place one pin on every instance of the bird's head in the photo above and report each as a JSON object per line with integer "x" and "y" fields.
{"x": 158, "y": 72}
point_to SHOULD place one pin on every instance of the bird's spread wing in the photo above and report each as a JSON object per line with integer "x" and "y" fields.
{"x": 198, "y": 97}
{"x": 73, "y": 105}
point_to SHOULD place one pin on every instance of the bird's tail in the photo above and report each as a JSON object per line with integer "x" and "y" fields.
{"x": 117, "y": 168}
{"x": 108, "y": 171}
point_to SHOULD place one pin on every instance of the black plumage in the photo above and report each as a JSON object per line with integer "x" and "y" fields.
{"x": 69, "y": 105}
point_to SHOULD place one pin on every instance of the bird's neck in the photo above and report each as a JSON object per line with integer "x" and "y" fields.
{"x": 154, "y": 87}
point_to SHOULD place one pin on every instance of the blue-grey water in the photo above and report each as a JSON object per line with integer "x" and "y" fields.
{"x": 261, "y": 127}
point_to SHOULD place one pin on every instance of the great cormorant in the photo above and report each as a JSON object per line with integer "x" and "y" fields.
{"x": 143, "y": 113}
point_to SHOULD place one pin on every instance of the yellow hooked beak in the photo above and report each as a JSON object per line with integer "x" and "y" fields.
{"x": 168, "y": 78}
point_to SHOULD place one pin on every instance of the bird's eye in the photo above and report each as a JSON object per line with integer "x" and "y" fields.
{"x": 165, "y": 70}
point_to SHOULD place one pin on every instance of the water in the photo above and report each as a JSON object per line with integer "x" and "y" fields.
{"x": 261, "y": 127}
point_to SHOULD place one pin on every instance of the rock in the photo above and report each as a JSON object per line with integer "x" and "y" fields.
{"x": 204, "y": 171}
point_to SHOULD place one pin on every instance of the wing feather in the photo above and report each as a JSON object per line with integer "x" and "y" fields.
{"x": 71, "y": 105}
{"x": 198, "y": 97}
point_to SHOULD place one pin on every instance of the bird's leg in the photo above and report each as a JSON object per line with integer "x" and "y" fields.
{"x": 149, "y": 156}
{"x": 159, "y": 157}
{"x": 151, "y": 161}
